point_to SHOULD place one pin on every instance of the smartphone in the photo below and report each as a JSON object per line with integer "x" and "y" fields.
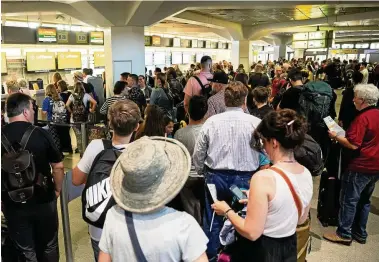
{"x": 237, "y": 192}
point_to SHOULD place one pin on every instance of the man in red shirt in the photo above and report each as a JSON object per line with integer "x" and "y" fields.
{"x": 358, "y": 182}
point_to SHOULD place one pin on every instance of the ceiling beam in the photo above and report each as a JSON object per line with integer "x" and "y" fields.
{"x": 256, "y": 32}
{"x": 189, "y": 17}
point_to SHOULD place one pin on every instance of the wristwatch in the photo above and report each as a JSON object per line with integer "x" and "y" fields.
{"x": 226, "y": 213}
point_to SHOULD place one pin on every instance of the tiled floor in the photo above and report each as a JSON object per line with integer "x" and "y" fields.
{"x": 321, "y": 249}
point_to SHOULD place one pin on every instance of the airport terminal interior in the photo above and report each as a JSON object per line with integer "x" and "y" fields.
{"x": 40, "y": 38}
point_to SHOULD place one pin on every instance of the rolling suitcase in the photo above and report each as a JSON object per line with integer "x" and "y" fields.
{"x": 328, "y": 200}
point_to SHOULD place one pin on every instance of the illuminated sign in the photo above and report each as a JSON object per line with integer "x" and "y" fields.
{"x": 47, "y": 34}
{"x": 317, "y": 35}
{"x": 300, "y": 44}
{"x": 69, "y": 60}
{"x": 99, "y": 59}
{"x": 156, "y": 40}
{"x": 3, "y": 63}
{"x": 40, "y": 61}
{"x": 97, "y": 38}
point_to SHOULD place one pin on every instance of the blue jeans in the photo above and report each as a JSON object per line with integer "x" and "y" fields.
{"x": 96, "y": 249}
{"x": 223, "y": 180}
{"x": 356, "y": 190}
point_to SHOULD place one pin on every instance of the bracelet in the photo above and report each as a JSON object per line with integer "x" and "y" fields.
{"x": 226, "y": 213}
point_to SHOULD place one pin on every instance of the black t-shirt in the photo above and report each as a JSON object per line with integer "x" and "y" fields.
{"x": 290, "y": 99}
{"x": 258, "y": 79}
{"x": 261, "y": 112}
{"x": 44, "y": 151}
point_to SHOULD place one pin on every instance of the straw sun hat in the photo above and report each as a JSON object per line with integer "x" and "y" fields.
{"x": 149, "y": 173}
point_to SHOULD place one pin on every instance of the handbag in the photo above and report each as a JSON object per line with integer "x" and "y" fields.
{"x": 302, "y": 231}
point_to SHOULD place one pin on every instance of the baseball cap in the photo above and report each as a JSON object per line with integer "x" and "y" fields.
{"x": 220, "y": 77}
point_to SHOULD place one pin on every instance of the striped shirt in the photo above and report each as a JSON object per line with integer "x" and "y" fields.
{"x": 224, "y": 142}
{"x": 110, "y": 101}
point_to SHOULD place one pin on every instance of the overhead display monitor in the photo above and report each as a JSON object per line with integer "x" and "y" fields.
{"x": 374, "y": 46}
{"x": 40, "y": 61}
{"x": 187, "y": 58}
{"x": 156, "y": 40}
{"x": 176, "y": 42}
{"x": 316, "y": 43}
{"x": 300, "y": 44}
{"x": 214, "y": 45}
{"x": 219, "y": 45}
{"x": 198, "y": 57}
{"x": 81, "y": 38}
{"x": 200, "y": 44}
{"x": 99, "y": 59}
{"x": 149, "y": 59}
{"x": 194, "y": 43}
{"x": 159, "y": 58}
{"x": 185, "y": 43}
{"x": 62, "y": 37}
{"x": 97, "y": 38}
{"x": 147, "y": 40}
{"x": 362, "y": 45}
{"x": 317, "y": 35}
{"x": 46, "y": 35}
{"x": 229, "y": 45}
{"x": 177, "y": 58}
{"x": 207, "y": 44}
{"x": 3, "y": 63}
{"x": 300, "y": 36}
{"x": 69, "y": 60}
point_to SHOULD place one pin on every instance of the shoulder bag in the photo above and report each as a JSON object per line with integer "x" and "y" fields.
{"x": 302, "y": 231}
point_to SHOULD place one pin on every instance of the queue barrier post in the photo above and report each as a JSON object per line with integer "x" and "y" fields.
{"x": 83, "y": 128}
{"x": 69, "y": 192}
{"x": 66, "y": 221}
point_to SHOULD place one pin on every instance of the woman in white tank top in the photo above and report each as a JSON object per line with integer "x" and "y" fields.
{"x": 269, "y": 229}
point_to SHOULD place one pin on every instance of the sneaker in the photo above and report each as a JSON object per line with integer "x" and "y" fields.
{"x": 360, "y": 240}
{"x": 333, "y": 237}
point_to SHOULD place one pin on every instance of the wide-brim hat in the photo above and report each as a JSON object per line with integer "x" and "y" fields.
{"x": 149, "y": 173}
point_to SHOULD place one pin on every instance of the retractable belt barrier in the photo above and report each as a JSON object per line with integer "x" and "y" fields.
{"x": 84, "y": 129}
{"x": 69, "y": 192}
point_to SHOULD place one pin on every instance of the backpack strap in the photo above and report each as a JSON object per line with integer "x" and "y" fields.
{"x": 6, "y": 144}
{"x": 199, "y": 81}
{"x": 133, "y": 236}
{"x": 107, "y": 144}
{"x": 26, "y": 136}
{"x": 296, "y": 198}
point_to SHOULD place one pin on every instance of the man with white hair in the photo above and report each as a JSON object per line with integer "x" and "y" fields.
{"x": 358, "y": 181}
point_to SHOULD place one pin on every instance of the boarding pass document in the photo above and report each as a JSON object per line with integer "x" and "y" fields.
{"x": 333, "y": 126}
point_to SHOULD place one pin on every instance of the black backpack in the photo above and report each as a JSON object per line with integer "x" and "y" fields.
{"x": 97, "y": 197}
{"x": 18, "y": 169}
{"x": 206, "y": 90}
{"x": 309, "y": 154}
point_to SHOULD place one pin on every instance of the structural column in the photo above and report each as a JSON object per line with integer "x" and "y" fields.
{"x": 241, "y": 54}
{"x": 124, "y": 52}
{"x": 280, "y": 51}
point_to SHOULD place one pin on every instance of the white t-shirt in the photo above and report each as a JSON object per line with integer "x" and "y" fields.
{"x": 164, "y": 236}
{"x": 85, "y": 163}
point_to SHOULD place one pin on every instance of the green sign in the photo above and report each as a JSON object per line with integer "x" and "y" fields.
{"x": 81, "y": 38}
{"x": 148, "y": 40}
{"x": 62, "y": 37}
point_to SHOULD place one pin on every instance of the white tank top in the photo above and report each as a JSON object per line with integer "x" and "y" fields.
{"x": 282, "y": 214}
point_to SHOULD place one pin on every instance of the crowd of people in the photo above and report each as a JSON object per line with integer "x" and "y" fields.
{"x": 200, "y": 166}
